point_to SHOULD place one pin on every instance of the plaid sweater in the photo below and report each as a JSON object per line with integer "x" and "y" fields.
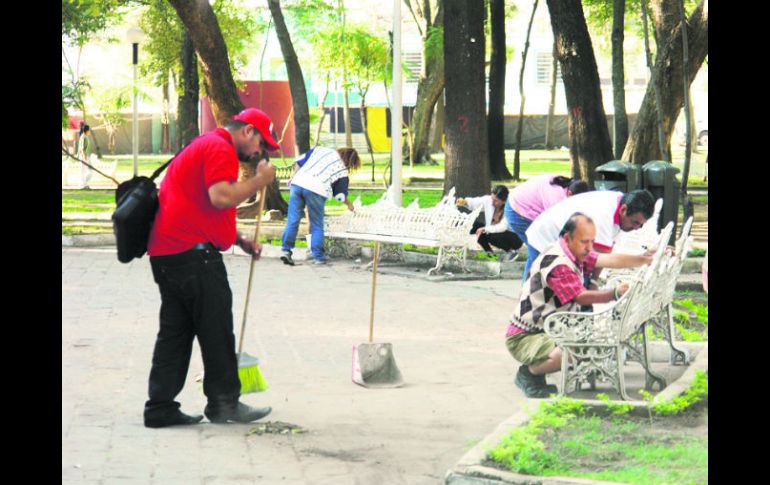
{"x": 538, "y": 300}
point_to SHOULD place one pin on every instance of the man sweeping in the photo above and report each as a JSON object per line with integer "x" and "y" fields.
{"x": 196, "y": 220}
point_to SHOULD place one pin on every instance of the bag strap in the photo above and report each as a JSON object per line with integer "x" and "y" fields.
{"x": 163, "y": 167}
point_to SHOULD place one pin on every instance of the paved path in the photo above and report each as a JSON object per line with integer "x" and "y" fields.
{"x": 447, "y": 338}
{"x": 304, "y": 320}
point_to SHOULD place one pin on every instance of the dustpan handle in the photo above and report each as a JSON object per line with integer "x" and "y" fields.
{"x": 374, "y": 286}
{"x": 261, "y": 206}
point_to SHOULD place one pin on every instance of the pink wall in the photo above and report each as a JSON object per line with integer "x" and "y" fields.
{"x": 276, "y": 102}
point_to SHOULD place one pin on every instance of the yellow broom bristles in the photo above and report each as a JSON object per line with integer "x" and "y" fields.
{"x": 251, "y": 379}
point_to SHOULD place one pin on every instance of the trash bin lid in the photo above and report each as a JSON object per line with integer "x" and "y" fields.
{"x": 618, "y": 166}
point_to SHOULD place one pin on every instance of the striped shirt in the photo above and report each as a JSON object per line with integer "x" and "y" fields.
{"x": 323, "y": 172}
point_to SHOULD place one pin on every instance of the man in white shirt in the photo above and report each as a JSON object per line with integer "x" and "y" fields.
{"x": 611, "y": 212}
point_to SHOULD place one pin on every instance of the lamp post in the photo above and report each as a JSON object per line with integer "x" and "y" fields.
{"x": 135, "y": 35}
{"x": 395, "y": 115}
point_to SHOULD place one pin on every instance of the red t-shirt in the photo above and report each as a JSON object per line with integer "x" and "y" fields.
{"x": 186, "y": 215}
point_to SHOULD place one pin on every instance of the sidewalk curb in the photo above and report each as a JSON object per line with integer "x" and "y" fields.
{"x": 469, "y": 469}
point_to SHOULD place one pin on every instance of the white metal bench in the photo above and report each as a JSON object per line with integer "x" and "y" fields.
{"x": 595, "y": 343}
{"x": 441, "y": 226}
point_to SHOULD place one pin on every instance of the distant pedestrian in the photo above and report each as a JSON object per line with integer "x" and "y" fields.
{"x": 320, "y": 174}
{"x": 84, "y": 153}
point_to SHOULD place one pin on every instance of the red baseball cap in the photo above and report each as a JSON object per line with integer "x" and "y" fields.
{"x": 259, "y": 120}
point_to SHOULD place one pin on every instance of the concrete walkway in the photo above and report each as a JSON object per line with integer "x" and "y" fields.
{"x": 448, "y": 340}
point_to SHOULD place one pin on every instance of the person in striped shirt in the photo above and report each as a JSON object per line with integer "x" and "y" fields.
{"x": 320, "y": 174}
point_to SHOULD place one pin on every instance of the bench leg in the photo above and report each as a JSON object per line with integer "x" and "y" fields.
{"x": 677, "y": 356}
{"x": 639, "y": 352}
{"x": 448, "y": 254}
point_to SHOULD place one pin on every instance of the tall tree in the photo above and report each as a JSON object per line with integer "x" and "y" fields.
{"x": 296, "y": 79}
{"x": 590, "y": 144}
{"x": 466, "y": 167}
{"x": 520, "y": 124}
{"x": 199, "y": 19}
{"x": 549, "y": 121}
{"x": 496, "y": 116}
{"x": 429, "y": 18}
{"x": 369, "y": 59}
{"x": 620, "y": 118}
{"x": 643, "y": 143}
{"x": 187, "y": 107}
{"x": 201, "y": 22}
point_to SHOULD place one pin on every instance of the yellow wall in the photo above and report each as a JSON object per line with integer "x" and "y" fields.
{"x": 377, "y": 119}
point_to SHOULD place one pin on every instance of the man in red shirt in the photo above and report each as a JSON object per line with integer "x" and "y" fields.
{"x": 196, "y": 220}
{"x": 556, "y": 284}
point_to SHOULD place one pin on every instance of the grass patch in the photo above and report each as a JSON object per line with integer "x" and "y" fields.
{"x": 563, "y": 438}
{"x": 77, "y": 230}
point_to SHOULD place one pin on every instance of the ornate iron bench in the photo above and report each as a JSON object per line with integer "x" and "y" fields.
{"x": 441, "y": 226}
{"x": 595, "y": 344}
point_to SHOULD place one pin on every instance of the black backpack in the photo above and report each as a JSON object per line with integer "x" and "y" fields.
{"x": 136, "y": 203}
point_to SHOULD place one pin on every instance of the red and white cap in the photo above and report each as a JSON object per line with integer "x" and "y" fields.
{"x": 259, "y": 120}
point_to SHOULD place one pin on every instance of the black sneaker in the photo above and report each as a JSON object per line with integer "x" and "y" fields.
{"x": 286, "y": 258}
{"x": 533, "y": 385}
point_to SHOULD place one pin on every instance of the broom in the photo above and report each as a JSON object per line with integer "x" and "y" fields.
{"x": 248, "y": 366}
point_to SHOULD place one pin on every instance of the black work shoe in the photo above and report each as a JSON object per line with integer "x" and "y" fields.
{"x": 533, "y": 385}
{"x": 176, "y": 418}
{"x": 286, "y": 258}
{"x": 240, "y": 413}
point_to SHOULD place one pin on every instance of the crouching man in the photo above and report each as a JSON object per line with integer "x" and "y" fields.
{"x": 556, "y": 284}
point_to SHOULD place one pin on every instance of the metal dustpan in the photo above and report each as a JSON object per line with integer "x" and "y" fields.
{"x": 373, "y": 364}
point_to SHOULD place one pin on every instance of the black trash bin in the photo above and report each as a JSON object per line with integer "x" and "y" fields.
{"x": 618, "y": 175}
{"x": 660, "y": 179}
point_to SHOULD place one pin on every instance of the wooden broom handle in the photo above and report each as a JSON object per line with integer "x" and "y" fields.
{"x": 261, "y": 206}
{"x": 374, "y": 286}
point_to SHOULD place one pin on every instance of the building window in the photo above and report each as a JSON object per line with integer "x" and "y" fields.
{"x": 413, "y": 62}
{"x": 544, "y": 65}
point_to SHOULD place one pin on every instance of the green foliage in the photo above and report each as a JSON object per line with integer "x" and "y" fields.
{"x": 616, "y": 408}
{"x": 697, "y": 391}
{"x": 369, "y": 55}
{"x": 81, "y": 20}
{"x": 696, "y": 252}
{"x": 523, "y": 451}
{"x": 701, "y": 311}
{"x": 434, "y": 42}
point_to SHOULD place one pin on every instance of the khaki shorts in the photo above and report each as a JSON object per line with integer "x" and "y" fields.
{"x": 530, "y": 348}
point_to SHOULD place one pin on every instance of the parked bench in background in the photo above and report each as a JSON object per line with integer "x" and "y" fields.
{"x": 441, "y": 226}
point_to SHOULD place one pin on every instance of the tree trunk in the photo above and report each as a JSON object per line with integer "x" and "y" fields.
{"x": 322, "y": 107}
{"x": 520, "y": 124}
{"x": 296, "y": 79}
{"x": 549, "y": 144}
{"x": 346, "y": 114}
{"x": 200, "y": 21}
{"x": 590, "y": 144}
{"x": 620, "y": 119}
{"x": 665, "y": 152}
{"x": 187, "y": 115}
{"x": 207, "y": 38}
{"x": 686, "y": 202}
{"x": 467, "y": 164}
{"x": 165, "y": 134}
{"x": 496, "y": 117}
{"x": 429, "y": 89}
{"x": 365, "y": 125}
{"x": 643, "y": 145}
{"x": 438, "y": 125}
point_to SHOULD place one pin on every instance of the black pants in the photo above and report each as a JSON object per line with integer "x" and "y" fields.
{"x": 504, "y": 240}
{"x": 196, "y": 301}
